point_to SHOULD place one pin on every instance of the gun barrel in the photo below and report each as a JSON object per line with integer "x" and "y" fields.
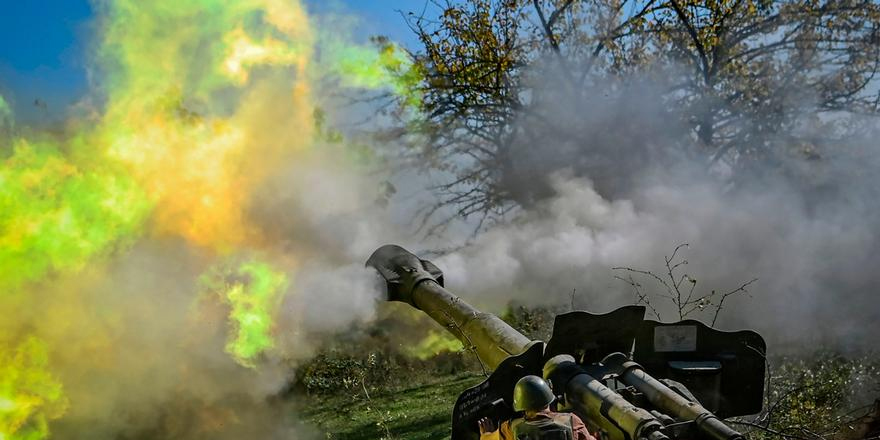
{"x": 420, "y": 284}
{"x": 493, "y": 339}
{"x": 607, "y": 409}
{"x": 669, "y": 401}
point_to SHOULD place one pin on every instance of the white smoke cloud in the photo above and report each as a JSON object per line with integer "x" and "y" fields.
{"x": 618, "y": 198}
{"x": 811, "y": 272}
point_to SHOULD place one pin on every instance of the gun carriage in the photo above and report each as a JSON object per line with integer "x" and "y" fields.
{"x": 602, "y": 367}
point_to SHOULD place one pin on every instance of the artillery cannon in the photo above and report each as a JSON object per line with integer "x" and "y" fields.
{"x": 604, "y": 368}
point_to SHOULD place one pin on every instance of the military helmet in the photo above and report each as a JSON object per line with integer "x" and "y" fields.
{"x": 531, "y": 393}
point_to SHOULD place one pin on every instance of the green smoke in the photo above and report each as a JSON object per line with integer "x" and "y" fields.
{"x": 385, "y": 66}
{"x": 56, "y": 215}
{"x": 253, "y": 291}
{"x": 29, "y": 394}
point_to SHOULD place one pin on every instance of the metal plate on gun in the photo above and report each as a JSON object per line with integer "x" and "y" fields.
{"x": 723, "y": 370}
{"x": 590, "y": 337}
{"x": 675, "y": 338}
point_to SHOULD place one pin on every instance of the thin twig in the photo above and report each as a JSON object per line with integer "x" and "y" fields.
{"x": 640, "y": 297}
{"x": 685, "y": 303}
{"x": 724, "y": 296}
{"x": 766, "y": 429}
{"x": 471, "y": 347}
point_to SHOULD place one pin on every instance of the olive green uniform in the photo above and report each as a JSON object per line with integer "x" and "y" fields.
{"x": 546, "y": 425}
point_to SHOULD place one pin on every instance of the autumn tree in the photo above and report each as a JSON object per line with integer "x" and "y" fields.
{"x": 746, "y": 85}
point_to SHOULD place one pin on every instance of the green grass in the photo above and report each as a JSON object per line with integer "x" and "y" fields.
{"x": 416, "y": 411}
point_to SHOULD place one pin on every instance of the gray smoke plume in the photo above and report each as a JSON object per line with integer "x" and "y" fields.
{"x": 612, "y": 180}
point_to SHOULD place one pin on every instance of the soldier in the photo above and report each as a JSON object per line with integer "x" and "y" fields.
{"x": 533, "y": 396}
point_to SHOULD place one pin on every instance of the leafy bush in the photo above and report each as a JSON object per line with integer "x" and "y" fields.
{"x": 818, "y": 396}
{"x": 329, "y": 372}
{"x": 536, "y": 322}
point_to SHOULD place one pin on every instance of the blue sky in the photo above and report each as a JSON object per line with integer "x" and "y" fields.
{"x": 42, "y": 43}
